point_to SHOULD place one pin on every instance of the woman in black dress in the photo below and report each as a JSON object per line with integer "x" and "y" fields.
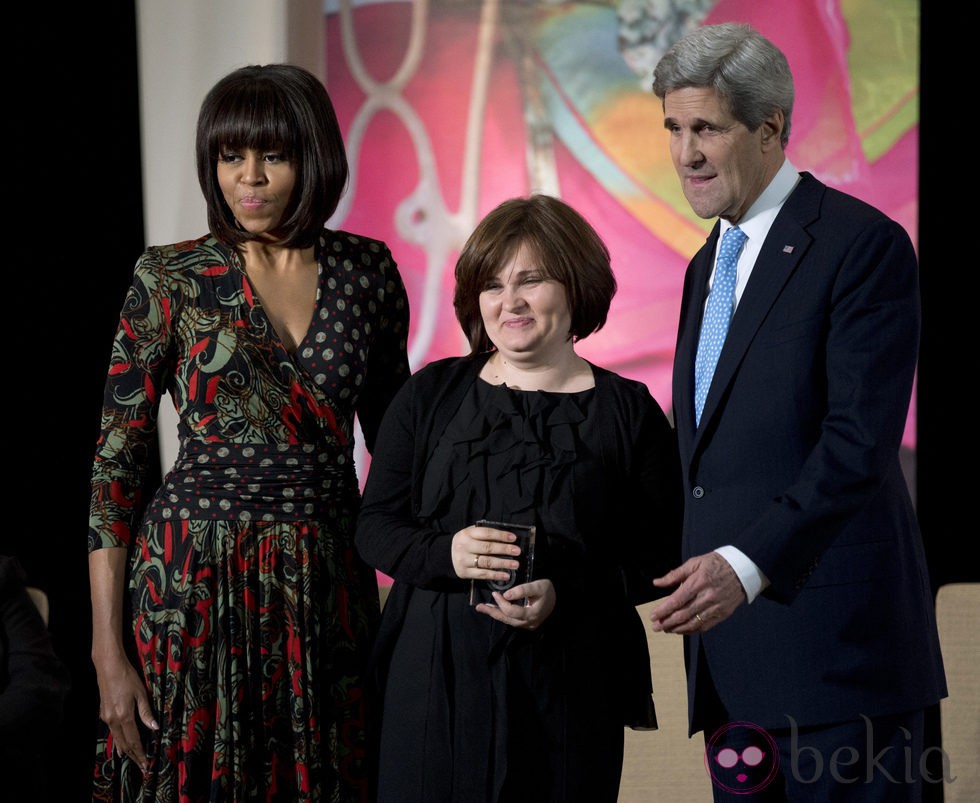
{"x": 520, "y": 694}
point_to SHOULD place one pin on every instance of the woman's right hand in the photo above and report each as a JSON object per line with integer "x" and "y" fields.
{"x": 122, "y": 695}
{"x": 484, "y": 553}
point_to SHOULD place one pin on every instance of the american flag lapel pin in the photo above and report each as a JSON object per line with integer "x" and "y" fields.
{"x": 787, "y": 249}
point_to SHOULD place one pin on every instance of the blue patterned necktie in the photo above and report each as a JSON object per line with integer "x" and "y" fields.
{"x": 717, "y": 314}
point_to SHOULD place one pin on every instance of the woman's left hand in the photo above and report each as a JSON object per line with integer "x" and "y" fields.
{"x": 511, "y": 609}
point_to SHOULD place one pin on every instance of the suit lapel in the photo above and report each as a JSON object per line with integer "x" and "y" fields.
{"x": 781, "y": 254}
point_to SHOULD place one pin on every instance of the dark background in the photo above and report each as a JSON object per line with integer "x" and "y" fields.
{"x": 72, "y": 112}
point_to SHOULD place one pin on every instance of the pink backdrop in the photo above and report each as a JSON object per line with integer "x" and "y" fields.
{"x": 404, "y": 104}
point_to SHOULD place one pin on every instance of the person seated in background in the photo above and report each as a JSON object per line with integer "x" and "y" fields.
{"x": 34, "y": 683}
{"x": 503, "y": 681}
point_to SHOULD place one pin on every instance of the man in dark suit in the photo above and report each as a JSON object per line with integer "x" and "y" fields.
{"x": 810, "y": 636}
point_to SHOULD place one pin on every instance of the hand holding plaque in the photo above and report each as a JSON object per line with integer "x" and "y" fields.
{"x": 482, "y": 590}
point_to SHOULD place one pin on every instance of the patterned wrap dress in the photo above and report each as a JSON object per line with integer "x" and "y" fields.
{"x": 252, "y": 614}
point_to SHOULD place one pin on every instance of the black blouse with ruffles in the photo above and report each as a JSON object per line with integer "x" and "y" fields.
{"x": 507, "y": 456}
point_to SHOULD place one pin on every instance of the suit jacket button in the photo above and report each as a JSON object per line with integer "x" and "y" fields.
{"x": 697, "y": 492}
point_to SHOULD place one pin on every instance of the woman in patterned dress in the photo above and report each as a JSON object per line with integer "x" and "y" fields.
{"x": 231, "y": 615}
{"x": 521, "y": 691}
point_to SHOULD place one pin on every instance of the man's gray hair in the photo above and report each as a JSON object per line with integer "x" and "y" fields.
{"x": 747, "y": 70}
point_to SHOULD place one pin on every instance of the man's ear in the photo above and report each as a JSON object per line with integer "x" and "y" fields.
{"x": 772, "y": 130}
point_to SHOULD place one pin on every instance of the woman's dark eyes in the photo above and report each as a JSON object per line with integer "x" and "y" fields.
{"x": 273, "y": 157}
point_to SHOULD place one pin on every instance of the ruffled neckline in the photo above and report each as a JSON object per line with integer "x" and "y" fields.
{"x": 506, "y": 455}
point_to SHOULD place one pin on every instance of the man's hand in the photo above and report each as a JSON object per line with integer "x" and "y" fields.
{"x": 708, "y": 591}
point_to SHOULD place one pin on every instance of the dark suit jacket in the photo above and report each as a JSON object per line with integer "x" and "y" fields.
{"x": 796, "y": 463}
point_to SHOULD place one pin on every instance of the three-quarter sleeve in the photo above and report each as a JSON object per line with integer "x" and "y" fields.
{"x": 139, "y": 366}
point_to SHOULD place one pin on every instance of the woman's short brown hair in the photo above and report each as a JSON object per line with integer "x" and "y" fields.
{"x": 274, "y": 107}
{"x": 567, "y": 248}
